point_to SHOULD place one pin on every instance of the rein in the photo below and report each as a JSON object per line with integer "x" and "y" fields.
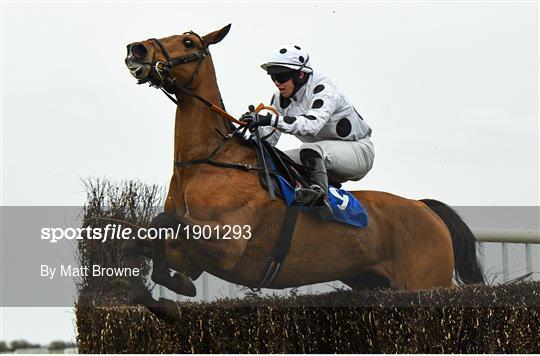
{"x": 164, "y": 82}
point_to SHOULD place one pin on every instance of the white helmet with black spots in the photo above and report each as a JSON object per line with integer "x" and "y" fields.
{"x": 287, "y": 56}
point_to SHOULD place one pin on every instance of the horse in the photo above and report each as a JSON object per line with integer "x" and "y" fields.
{"x": 407, "y": 245}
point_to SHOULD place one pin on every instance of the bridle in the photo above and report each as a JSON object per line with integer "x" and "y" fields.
{"x": 161, "y": 69}
{"x": 165, "y": 82}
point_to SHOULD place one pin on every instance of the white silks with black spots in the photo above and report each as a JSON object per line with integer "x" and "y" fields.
{"x": 319, "y": 111}
{"x": 322, "y": 117}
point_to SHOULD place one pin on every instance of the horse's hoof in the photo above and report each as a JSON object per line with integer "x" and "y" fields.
{"x": 167, "y": 310}
{"x": 187, "y": 286}
{"x": 178, "y": 283}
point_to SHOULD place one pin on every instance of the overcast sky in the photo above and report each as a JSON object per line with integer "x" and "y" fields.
{"x": 450, "y": 90}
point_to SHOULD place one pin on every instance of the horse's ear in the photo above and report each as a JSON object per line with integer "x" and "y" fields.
{"x": 216, "y": 36}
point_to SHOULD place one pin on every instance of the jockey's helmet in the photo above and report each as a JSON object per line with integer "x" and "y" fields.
{"x": 286, "y": 58}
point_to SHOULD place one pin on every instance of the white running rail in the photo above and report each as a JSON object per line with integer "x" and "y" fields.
{"x": 505, "y": 237}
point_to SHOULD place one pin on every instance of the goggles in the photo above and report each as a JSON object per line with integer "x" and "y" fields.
{"x": 282, "y": 77}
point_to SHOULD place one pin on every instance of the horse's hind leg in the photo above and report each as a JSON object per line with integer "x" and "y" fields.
{"x": 369, "y": 280}
{"x": 178, "y": 282}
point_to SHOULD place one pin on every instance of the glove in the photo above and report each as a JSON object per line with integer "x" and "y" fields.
{"x": 255, "y": 120}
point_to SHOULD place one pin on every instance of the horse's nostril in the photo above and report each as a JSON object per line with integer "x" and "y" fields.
{"x": 138, "y": 50}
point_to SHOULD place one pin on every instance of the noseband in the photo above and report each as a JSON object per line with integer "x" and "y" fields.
{"x": 161, "y": 69}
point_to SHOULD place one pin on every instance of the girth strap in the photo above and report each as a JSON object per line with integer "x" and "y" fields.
{"x": 281, "y": 247}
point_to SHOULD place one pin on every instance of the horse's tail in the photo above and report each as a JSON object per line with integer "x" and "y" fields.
{"x": 466, "y": 264}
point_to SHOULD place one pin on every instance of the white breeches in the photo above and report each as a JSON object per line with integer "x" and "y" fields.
{"x": 344, "y": 160}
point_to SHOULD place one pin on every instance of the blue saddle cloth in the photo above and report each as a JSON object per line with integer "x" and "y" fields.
{"x": 347, "y": 209}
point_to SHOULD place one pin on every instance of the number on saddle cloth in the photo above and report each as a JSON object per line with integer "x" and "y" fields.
{"x": 346, "y": 208}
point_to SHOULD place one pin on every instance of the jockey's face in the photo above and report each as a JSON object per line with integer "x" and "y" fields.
{"x": 286, "y": 88}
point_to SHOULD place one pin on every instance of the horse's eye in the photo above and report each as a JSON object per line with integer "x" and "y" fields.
{"x": 188, "y": 43}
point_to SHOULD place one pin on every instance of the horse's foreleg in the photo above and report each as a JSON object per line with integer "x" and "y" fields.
{"x": 178, "y": 282}
{"x": 139, "y": 292}
{"x": 163, "y": 308}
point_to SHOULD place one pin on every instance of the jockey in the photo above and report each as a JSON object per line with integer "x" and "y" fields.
{"x": 336, "y": 139}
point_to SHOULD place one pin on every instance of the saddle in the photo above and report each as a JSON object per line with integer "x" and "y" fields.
{"x": 287, "y": 175}
{"x": 281, "y": 165}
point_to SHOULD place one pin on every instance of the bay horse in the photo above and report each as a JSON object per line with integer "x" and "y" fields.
{"x": 407, "y": 244}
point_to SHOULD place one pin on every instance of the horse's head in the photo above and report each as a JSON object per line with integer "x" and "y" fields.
{"x": 171, "y": 60}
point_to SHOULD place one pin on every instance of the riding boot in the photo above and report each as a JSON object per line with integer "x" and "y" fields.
{"x": 316, "y": 195}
